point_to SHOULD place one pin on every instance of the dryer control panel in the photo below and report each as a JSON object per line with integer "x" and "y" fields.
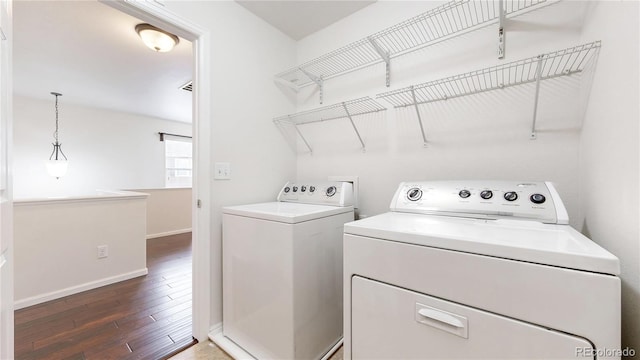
{"x": 489, "y": 199}
{"x": 334, "y": 193}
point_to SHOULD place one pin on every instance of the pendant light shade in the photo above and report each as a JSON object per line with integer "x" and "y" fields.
{"x": 156, "y": 39}
{"x": 57, "y": 168}
{"x": 57, "y": 164}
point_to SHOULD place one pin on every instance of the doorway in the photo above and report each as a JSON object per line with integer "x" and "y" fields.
{"x": 200, "y": 226}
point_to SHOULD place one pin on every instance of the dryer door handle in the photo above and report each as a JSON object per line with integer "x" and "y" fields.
{"x": 441, "y": 317}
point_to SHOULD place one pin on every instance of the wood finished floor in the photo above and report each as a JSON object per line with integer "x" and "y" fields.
{"x": 148, "y": 317}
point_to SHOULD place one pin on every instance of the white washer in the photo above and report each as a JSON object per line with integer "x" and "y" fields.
{"x": 282, "y": 272}
{"x": 477, "y": 269}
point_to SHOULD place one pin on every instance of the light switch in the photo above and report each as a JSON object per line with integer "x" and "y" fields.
{"x": 222, "y": 171}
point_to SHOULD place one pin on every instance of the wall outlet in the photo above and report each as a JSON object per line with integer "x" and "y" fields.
{"x": 103, "y": 251}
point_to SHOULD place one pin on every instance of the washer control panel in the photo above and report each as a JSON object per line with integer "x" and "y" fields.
{"x": 537, "y": 201}
{"x": 335, "y": 193}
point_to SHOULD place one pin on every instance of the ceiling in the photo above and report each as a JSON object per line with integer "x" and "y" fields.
{"x": 298, "y": 19}
{"x": 91, "y": 54}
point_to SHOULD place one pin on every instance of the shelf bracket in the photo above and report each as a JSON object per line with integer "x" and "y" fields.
{"x": 301, "y": 136}
{"x": 316, "y": 79}
{"x": 385, "y": 57}
{"x": 344, "y": 106}
{"x": 535, "y": 100}
{"x": 415, "y": 104}
{"x": 501, "y": 34}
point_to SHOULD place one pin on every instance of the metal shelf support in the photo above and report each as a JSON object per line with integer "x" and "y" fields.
{"x": 318, "y": 80}
{"x": 502, "y": 36}
{"x": 301, "y": 136}
{"x": 415, "y": 104}
{"x": 344, "y": 106}
{"x": 535, "y": 99}
{"x": 385, "y": 56}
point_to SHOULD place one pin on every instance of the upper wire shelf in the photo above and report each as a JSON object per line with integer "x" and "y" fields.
{"x": 534, "y": 69}
{"x": 446, "y": 21}
{"x": 347, "y": 109}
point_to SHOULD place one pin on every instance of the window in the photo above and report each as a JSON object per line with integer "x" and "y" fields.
{"x": 178, "y": 162}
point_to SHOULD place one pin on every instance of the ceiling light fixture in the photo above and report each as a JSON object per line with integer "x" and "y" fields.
{"x": 156, "y": 39}
{"x": 57, "y": 163}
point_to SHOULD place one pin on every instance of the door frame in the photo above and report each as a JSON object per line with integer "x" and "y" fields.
{"x": 156, "y": 14}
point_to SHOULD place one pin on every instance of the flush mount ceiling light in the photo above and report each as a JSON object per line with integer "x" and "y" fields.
{"x": 57, "y": 163}
{"x": 156, "y": 39}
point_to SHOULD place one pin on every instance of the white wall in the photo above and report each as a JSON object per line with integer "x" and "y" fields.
{"x": 56, "y": 245}
{"x": 609, "y": 150}
{"x": 168, "y": 211}
{"x": 485, "y": 136}
{"x": 245, "y": 54}
{"x": 106, "y": 149}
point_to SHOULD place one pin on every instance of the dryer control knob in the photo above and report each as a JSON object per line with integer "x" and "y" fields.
{"x": 287, "y": 189}
{"x": 486, "y": 194}
{"x": 331, "y": 190}
{"x": 303, "y": 188}
{"x": 537, "y": 198}
{"x": 312, "y": 188}
{"x": 511, "y": 196}
{"x": 464, "y": 194}
{"x": 295, "y": 189}
{"x": 414, "y": 194}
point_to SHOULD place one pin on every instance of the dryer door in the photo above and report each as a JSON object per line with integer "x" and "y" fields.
{"x": 388, "y": 322}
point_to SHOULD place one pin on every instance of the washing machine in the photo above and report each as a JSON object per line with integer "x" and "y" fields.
{"x": 478, "y": 270}
{"x": 282, "y": 272}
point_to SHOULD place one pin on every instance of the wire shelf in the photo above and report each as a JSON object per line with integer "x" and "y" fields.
{"x": 542, "y": 67}
{"x": 347, "y": 109}
{"x": 446, "y": 21}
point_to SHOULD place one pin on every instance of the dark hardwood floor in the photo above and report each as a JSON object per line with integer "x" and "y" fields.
{"x": 148, "y": 317}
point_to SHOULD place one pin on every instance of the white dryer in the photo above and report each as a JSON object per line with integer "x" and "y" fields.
{"x": 282, "y": 273}
{"x": 477, "y": 270}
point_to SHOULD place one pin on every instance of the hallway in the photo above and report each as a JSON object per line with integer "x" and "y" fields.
{"x": 145, "y": 317}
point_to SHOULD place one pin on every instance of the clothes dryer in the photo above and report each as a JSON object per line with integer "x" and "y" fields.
{"x": 478, "y": 270}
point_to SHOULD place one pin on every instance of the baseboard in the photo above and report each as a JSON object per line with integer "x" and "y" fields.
{"x": 238, "y": 353}
{"x": 168, "y": 233}
{"x": 227, "y": 345}
{"x": 34, "y": 300}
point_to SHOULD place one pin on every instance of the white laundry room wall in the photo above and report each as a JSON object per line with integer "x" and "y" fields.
{"x": 610, "y": 150}
{"x": 588, "y": 129}
{"x": 484, "y": 136}
{"x": 245, "y": 54}
{"x": 106, "y": 149}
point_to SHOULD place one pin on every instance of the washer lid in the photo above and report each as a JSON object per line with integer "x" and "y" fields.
{"x": 556, "y": 245}
{"x": 286, "y": 212}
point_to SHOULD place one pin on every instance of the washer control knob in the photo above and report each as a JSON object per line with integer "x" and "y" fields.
{"x": 537, "y": 198}
{"x": 287, "y": 189}
{"x": 486, "y": 194}
{"x": 331, "y": 190}
{"x": 303, "y": 188}
{"x": 295, "y": 189}
{"x": 511, "y": 196}
{"x": 414, "y": 194}
{"x": 464, "y": 194}
{"x": 312, "y": 188}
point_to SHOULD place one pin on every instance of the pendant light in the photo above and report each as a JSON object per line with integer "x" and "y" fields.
{"x": 57, "y": 163}
{"x": 156, "y": 39}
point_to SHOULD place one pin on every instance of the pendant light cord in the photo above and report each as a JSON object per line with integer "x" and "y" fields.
{"x": 57, "y": 147}
{"x": 55, "y": 133}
